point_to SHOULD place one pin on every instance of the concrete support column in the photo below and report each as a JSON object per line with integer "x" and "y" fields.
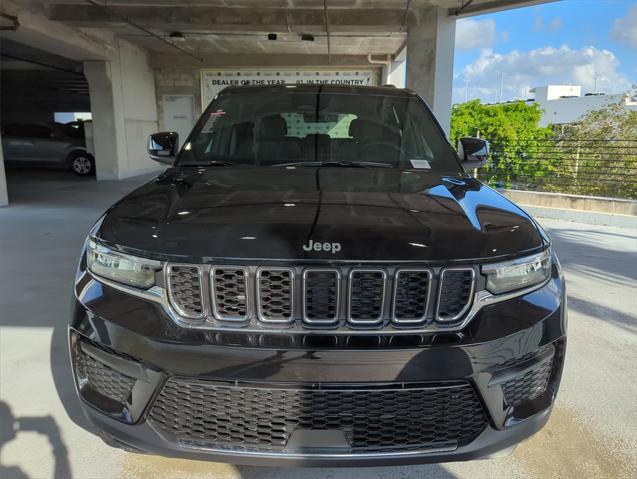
{"x": 124, "y": 111}
{"x": 108, "y": 128}
{"x": 4, "y": 193}
{"x": 430, "y": 49}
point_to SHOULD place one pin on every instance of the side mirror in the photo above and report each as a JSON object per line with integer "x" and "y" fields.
{"x": 163, "y": 147}
{"x": 474, "y": 152}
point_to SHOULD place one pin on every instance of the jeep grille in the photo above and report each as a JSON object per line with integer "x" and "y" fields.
{"x": 324, "y": 297}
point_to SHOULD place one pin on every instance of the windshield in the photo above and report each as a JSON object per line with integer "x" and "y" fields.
{"x": 319, "y": 128}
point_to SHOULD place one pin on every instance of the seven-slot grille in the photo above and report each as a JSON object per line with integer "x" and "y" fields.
{"x": 363, "y": 297}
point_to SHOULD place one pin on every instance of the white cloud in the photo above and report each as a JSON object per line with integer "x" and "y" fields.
{"x": 539, "y": 24}
{"x": 625, "y": 28}
{"x": 473, "y": 34}
{"x": 525, "y": 70}
{"x": 505, "y": 36}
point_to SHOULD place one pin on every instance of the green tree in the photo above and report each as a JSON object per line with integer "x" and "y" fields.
{"x": 599, "y": 152}
{"x": 516, "y": 140}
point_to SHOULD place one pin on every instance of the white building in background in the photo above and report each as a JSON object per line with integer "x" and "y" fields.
{"x": 565, "y": 103}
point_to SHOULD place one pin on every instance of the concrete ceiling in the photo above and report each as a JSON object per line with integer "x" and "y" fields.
{"x": 30, "y": 76}
{"x": 356, "y": 27}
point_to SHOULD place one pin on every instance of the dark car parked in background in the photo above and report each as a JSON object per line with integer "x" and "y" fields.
{"x": 47, "y": 145}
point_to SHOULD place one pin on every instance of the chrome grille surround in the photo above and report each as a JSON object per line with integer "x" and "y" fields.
{"x": 412, "y": 303}
{"x": 464, "y": 304}
{"x": 309, "y": 316}
{"x": 366, "y": 295}
{"x": 224, "y": 281}
{"x": 189, "y": 302}
{"x": 272, "y": 296}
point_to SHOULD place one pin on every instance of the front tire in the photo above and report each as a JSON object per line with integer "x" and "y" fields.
{"x": 82, "y": 164}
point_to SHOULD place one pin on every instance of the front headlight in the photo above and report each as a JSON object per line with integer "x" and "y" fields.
{"x": 519, "y": 273}
{"x": 120, "y": 267}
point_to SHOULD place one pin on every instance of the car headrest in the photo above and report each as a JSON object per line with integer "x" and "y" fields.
{"x": 362, "y": 130}
{"x": 272, "y": 127}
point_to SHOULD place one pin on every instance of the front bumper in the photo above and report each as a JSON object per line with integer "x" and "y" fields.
{"x": 508, "y": 347}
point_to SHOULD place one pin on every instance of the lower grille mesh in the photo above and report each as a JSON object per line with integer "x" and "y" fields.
{"x": 103, "y": 379}
{"x": 528, "y": 386}
{"x": 373, "y": 419}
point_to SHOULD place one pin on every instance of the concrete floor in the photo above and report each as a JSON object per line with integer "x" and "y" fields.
{"x": 592, "y": 432}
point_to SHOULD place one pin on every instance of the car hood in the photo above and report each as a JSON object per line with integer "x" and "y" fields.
{"x": 205, "y": 214}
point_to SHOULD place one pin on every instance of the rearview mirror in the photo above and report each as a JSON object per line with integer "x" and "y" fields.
{"x": 163, "y": 147}
{"x": 474, "y": 152}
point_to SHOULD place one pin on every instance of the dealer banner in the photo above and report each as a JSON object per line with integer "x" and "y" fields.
{"x": 214, "y": 80}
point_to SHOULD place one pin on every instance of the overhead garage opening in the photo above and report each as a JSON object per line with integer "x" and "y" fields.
{"x": 43, "y": 115}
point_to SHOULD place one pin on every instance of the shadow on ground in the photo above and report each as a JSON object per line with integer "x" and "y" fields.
{"x": 11, "y": 426}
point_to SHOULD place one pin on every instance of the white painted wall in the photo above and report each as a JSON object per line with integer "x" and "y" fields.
{"x": 124, "y": 109}
{"x": 555, "y": 92}
{"x": 178, "y": 115}
{"x": 139, "y": 109}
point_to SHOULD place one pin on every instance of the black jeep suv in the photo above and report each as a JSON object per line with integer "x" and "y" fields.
{"x": 316, "y": 280}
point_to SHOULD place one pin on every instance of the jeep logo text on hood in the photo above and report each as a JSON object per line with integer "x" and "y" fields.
{"x": 325, "y": 246}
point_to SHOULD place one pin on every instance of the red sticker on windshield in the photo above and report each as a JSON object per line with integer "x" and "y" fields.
{"x": 209, "y": 127}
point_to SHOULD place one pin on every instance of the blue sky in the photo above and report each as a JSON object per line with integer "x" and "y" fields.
{"x": 583, "y": 42}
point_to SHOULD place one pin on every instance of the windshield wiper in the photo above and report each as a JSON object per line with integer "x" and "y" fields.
{"x": 336, "y": 164}
{"x": 206, "y": 163}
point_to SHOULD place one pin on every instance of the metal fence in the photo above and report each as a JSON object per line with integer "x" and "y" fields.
{"x": 584, "y": 167}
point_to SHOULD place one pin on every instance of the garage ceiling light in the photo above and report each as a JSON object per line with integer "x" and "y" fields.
{"x": 177, "y": 37}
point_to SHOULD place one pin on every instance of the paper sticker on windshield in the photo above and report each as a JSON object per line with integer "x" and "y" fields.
{"x": 209, "y": 127}
{"x": 420, "y": 164}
